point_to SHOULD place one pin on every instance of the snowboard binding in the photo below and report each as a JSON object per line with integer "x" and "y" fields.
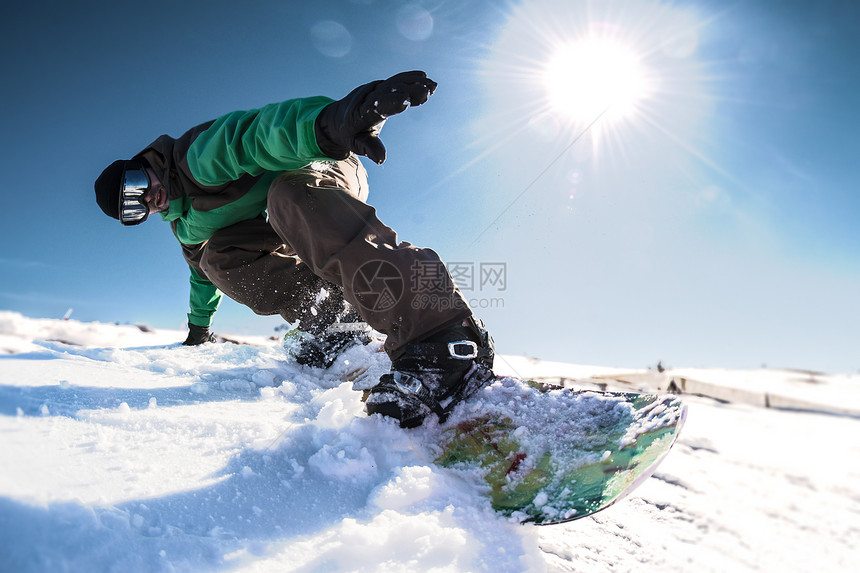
{"x": 434, "y": 375}
{"x": 322, "y": 350}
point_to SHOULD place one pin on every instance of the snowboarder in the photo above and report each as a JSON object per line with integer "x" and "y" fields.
{"x": 269, "y": 207}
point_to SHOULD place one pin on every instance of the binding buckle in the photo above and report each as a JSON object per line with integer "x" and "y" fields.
{"x": 454, "y": 347}
{"x": 407, "y": 382}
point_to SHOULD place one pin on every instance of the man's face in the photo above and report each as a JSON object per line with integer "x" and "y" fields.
{"x": 156, "y": 196}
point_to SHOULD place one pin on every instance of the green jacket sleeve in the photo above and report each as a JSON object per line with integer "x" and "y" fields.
{"x": 205, "y": 299}
{"x": 277, "y": 137}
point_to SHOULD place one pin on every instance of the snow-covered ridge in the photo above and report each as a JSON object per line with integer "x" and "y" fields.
{"x": 17, "y": 332}
{"x": 123, "y": 450}
{"x": 768, "y": 388}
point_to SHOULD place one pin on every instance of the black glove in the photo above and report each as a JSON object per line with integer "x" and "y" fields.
{"x": 197, "y": 335}
{"x": 353, "y": 123}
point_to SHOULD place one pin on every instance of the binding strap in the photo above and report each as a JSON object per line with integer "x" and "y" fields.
{"x": 412, "y": 387}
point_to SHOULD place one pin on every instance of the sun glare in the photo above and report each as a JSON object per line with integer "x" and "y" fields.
{"x": 594, "y": 76}
{"x": 593, "y": 83}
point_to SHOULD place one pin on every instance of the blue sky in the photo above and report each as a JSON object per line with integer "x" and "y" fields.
{"x": 712, "y": 225}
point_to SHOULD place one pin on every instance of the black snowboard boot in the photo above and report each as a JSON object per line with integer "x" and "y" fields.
{"x": 435, "y": 374}
{"x": 322, "y": 349}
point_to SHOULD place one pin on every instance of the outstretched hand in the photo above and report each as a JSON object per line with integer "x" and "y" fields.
{"x": 352, "y": 124}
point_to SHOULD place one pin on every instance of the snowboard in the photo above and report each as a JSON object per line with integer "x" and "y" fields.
{"x": 550, "y": 455}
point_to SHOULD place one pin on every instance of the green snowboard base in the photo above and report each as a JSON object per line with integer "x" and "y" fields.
{"x": 554, "y": 456}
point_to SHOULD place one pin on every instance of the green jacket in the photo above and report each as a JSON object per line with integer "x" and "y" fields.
{"x": 219, "y": 173}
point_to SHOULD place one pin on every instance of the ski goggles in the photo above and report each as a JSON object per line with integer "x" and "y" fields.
{"x": 135, "y": 182}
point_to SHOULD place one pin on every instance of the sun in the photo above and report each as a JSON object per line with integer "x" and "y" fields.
{"x": 593, "y": 77}
{"x": 595, "y": 84}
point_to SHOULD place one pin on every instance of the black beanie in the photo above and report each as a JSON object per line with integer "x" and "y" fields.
{"x": 108, "y": 185}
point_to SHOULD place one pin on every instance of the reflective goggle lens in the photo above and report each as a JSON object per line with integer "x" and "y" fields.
{"x": 132, "y": 211}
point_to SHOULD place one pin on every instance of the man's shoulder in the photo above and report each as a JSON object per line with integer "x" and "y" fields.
{"x": 184, "y": 141}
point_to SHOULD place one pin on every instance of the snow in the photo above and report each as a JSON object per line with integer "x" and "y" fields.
{"x": 123, "y": 450}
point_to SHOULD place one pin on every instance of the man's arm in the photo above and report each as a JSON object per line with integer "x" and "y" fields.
{"x": 291, "y": 134}
{"x": 205, "y": 298}
{"x": 277, "y": 137}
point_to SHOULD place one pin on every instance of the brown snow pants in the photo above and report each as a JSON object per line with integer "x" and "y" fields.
{"x": 321, "y": 234}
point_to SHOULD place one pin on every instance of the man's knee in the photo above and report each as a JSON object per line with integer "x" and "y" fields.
{"x": 317, "y": 213}
{"x": 347, "y": 176}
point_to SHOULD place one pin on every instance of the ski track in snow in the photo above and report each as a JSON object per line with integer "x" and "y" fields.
{"x": 124, "y": 451}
